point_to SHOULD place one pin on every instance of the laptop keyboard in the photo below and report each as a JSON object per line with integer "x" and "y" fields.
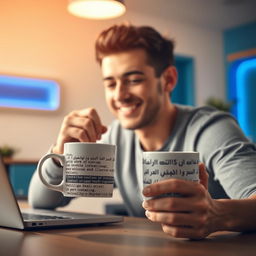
{"x": 32, "y": 216}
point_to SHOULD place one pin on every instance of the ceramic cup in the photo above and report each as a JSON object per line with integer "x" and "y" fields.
{"x": 164, "y": 165}
{"x": 88, "y": 170}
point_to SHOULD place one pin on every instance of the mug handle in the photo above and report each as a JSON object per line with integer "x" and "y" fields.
{"x": 62, "y": 159}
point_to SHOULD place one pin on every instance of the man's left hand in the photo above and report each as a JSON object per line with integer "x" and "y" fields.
{"x": 193, "y": 215}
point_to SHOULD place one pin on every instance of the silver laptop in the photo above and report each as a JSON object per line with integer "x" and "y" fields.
{"x": 13, "y": 217}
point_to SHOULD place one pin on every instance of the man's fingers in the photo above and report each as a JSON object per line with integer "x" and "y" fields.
{"x": 203, "y": 175}
{"x": 92, "y": 114}
{"x": 85, "y": 119}
{"x": 84, "y": 124}
{"x": 172, "y": 204}
{"x": 183, "y": 187}
{"x": 176, "y": 219}
{"x": 77, "y": 134}
{"x": 180, "y": 224}
{"x": 103, "y": 129}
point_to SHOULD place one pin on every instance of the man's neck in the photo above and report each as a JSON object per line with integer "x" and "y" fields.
{"x": 155, "y": 135}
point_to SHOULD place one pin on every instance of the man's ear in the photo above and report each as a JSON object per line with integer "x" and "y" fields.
{"x": 170, "y": 78}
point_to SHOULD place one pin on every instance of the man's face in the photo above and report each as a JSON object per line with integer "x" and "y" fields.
{"x": 133, "y": 93}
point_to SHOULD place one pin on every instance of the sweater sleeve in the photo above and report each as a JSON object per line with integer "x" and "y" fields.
{"x": 229, "y": 156}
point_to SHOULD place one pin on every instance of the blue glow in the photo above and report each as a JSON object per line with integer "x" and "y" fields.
{"x": 29, "y": 93}
{"x": 246, "y": 91}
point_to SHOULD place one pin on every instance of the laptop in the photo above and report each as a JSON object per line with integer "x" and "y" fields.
{"x": 12, "y": 216}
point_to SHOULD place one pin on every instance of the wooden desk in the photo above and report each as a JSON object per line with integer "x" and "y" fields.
{"x": 134, "y": 237}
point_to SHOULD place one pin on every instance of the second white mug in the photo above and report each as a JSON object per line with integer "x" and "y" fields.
{"x": 164, "y": 165}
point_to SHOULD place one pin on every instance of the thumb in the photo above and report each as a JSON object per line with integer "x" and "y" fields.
{"x": 203, "y": 175}
{"x": 103, "y": 129}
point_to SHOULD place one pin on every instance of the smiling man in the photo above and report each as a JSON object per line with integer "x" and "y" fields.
{"x": 138, "y": 76}
{"x": 137, "y": 97}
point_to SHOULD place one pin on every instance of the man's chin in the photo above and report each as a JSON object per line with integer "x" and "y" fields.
{"x": 131, "y": 125}
{"x": 128, "y": 125}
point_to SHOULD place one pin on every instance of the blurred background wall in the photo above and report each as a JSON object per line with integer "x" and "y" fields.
{"x": 41, "y": 39}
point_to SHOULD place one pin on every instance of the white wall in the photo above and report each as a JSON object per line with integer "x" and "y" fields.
{"x": 41, "y": 39}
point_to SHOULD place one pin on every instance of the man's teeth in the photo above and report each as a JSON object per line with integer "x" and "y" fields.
{"x": 127, "y": 109}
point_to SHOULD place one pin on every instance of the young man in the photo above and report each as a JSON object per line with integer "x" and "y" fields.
{"x": 138, "y": 77}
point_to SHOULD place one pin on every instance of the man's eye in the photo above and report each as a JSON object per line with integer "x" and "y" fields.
{"x": 134, "y": 81}
{"x": 110, "y": 85}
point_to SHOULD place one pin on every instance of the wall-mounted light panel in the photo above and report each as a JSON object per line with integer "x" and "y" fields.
{"x": 245, "y": 94}
{"x": 29, "y": 93}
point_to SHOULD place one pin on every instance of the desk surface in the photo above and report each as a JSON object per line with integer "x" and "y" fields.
{"x": 135, "y": 236}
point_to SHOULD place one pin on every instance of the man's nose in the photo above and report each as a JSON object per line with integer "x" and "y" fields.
{"x": 121, "y": 91}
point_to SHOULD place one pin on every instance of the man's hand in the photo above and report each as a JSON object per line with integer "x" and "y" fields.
{"x": 81, "y": 126}
{"x": 190, "y": 216}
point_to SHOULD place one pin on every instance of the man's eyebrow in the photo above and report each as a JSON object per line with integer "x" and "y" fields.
{"x": 133, "y": 72}
{"x": 108, "y": 78}
{"x": 129, "y": 73}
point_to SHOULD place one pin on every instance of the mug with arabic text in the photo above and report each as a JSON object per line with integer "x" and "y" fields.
{"x": 164, "y": 165}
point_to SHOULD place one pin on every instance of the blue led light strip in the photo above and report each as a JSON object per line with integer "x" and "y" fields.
{"x": 29, "y": 93}
{"x": 244, "y": 70}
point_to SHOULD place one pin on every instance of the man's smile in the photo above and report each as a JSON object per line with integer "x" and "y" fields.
{"x": 127, "y": 110}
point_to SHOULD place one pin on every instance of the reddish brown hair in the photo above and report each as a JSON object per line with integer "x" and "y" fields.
{"x": 124, "y": 37}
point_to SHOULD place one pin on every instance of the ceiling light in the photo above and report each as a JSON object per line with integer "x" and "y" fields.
{"x": 97, "y": 9}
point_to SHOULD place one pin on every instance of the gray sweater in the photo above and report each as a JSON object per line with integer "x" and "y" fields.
{"x": 229, "y": 157}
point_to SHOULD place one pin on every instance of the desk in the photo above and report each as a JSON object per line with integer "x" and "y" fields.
{"x": 133, "y": 237}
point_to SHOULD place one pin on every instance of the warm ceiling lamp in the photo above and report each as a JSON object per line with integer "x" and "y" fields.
{"x": 96, "y": 9}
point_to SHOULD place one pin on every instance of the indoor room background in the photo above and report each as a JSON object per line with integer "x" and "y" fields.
{"x": 40, "y": 39}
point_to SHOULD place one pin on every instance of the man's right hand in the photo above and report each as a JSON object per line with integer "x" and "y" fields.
{"x": 81, "y": 126}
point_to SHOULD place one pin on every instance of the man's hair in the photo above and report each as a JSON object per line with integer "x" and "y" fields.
{"x": 125, "y": 37}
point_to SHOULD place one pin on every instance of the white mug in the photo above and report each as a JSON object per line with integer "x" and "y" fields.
{"x": 88, "y": 170}
{"x": 164, "y": 165}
